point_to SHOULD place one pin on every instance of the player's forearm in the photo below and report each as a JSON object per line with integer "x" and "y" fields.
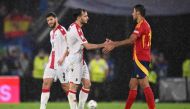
{"x": 93, "y": 46}
{"x": 129, "y": 41}
{"x": 65, "y": 54}
{"x": 122, "y": 43}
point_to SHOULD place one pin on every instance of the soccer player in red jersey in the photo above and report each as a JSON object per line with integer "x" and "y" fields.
{"x": 141, "y": 41}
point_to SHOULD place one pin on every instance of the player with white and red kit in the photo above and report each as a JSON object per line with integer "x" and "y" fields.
{"x": 78, "y": 69}
{"x": 54, "y": 68}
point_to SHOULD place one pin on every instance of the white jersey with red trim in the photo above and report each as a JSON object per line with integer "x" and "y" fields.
{"x": 58, "y": 44}
{"x": 75, "y": 40}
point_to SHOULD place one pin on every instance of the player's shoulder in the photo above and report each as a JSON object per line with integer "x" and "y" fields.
{"x": 146, "y": 25}
{"x": 75, "y": 26}
{"x": 62, "y": 29}
{"x": 71, "y": 27}
{"x": 143, "y": 24}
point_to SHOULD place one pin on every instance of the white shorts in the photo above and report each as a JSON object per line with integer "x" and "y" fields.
{"x": 77, "y": 71}
{"x": 59, "y": 73}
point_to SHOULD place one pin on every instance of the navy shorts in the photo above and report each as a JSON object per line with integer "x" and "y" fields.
{"x": 137, "y": 72}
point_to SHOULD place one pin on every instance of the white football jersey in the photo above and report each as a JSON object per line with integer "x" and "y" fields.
{"x": 58, "y": 44}
{"x": 75, "y": 39}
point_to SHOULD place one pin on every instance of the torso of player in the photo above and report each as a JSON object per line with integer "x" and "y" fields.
{"x": 58, "y": 46}
{"x": 75, "y": 41}
{"x": 143, "y": 42}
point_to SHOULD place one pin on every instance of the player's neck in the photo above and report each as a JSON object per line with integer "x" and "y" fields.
{"x": 77, "y": 22}
{"x": 56, "y": 25}
{"x": 139, "y": 19}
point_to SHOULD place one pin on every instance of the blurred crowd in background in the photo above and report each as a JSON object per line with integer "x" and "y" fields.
{"x": 16, "y": 53}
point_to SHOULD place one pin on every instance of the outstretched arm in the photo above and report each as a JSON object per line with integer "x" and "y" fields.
{"x": 127, "y": 41}
{"x": 90, "y": 46}
{"x": 113, "y": 44}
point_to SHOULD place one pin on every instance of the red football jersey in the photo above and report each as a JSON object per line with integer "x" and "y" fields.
{"x": 142, "y": 45}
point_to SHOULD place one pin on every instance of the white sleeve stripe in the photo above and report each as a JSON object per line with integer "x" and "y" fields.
{"x": 136, "y": 31}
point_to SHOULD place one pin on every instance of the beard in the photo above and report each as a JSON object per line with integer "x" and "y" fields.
{"x": 134, "y": 19}
{"x": 83, "y": 22}
{"x": 52, "y": 26}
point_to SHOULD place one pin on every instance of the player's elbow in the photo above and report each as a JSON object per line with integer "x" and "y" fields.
{"x": 132, "y": 39}
{"x": 130, "y": 42}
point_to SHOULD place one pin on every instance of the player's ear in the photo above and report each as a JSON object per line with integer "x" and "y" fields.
{"x": 78, "y": 18}
{"x": 56, "y": 19}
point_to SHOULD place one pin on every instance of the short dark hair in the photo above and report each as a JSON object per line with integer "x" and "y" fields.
{"x": 51, "y": 14}
{"x": 140, "y": 8}
{"x": 78, "y": 12}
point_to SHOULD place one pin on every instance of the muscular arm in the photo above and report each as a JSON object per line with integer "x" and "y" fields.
{"x": 127, "y": 41}
{"x": 113, "y": 44}
{"x": 90, "y": 46}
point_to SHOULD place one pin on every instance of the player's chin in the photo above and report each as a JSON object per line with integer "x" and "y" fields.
{"x": 50, "y": 26}
{"x": 86, "y": 22}
{"x": 134, "y": 18}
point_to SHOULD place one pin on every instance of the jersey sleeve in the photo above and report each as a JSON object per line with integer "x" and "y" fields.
{"x": 138, "y": 30}
{"x": 80, "y": 36}
{"x": 63, "y": 32}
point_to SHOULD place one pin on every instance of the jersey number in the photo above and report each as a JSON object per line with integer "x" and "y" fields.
{"x": 150, "y": 37}
{"x": 146, "y": 43}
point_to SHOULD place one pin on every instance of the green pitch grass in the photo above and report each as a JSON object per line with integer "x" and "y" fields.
{"x": 102, "y": 105}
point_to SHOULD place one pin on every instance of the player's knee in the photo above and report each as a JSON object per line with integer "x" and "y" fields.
{"x": 73, "y": 86}
{"x": 144, "y": 85}
{"x": 133, "y": 86}
{"x": 46, "y": 85}
{"x": 65, "y": 87}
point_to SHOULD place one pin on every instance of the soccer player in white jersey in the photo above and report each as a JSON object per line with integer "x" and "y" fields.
{"x": 78, "y": 69}
{"x": 54, "y": 68}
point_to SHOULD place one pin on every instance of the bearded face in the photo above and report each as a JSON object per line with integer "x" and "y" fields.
{"x": 134, "y": 14}
{"x": 84, "y": 18}
{"x": 51, "y": 21}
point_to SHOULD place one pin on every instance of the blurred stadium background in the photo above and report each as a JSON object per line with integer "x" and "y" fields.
{"x": 24, "y": 48}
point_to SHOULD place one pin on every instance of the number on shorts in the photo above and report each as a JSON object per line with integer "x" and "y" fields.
{"x": 64, "y": 75}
